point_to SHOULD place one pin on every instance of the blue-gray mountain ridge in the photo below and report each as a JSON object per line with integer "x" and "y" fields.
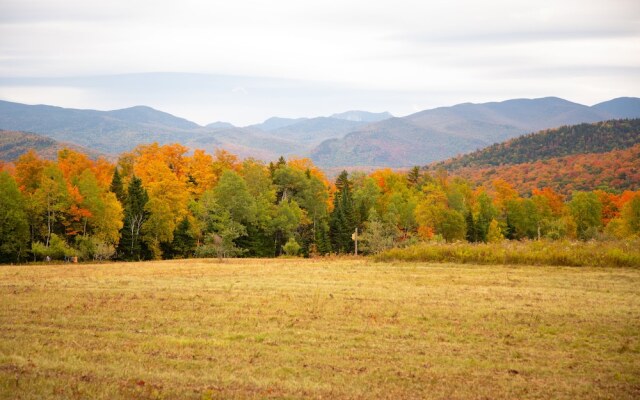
{"x": 353, "y": 138}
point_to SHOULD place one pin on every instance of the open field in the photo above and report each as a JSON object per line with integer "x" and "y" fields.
{"x": 345, "y": 328}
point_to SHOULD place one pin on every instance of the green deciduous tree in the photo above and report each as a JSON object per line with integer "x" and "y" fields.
{"x": 232, "y": 194}
{"x": 630, "y": 214}
{"x": 365, "y": 197}
{"x": 291, "y": 248}
{"x": 586, "y": 211}
{"x": 284, "y": 223}
{"x": 53, "y": 199}
{"x": 14, "y": 229}
{"x": 494, "y": 233}
{"x": 452, "y": 227}
{"x": 430, "y": 210}
{"x": 106, "y": 213}
{"x": 523, "y": 218}
{"x": 486, "y": 212}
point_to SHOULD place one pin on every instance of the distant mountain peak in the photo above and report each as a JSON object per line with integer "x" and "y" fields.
{"x": 274, "y": 123}
{"x": 362, "y": 116}
{"x": 138, "y": 107}
{"x": 149, "y": 115}
{"x": 621, "y": 107}
{"x": 220, "y": 125}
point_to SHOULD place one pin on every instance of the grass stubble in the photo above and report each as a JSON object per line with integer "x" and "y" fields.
{"x": 341, "y": 328}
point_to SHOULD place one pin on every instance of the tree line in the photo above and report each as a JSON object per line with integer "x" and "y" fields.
{"x": 614, "y": 171}
{"x": 163, "y": 202}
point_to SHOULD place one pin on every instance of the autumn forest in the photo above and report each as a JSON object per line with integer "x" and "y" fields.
{"x": 165, "y": 202}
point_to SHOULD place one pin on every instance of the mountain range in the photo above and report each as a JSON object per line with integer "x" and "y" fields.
{"x": 440, "y": 133}
{"x": 352, "y": 138}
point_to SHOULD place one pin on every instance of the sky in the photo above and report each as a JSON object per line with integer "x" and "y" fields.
{"x": 243, "y": 61}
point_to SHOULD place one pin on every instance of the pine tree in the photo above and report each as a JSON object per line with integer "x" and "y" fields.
{"x": 343, "y": 220}
{"x": 414, "y": 176}
{"x": 135, "y": 214}
{"x": 117, "y": 187}
{"x": 183, "y": 244}
{"x": 272, "y": 169}
{"x": 322, "y": 239}
{"x": 472, "y": 233}
{"x": 510, "y": 230}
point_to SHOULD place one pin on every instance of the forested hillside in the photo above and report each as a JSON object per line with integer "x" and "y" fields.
{"x": 614, "y": 171}
{"x": 165, "y": 202}
{"x": 13, "y": 144}
{"x": 599, "y": 137}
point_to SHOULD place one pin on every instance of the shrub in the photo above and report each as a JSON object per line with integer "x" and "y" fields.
{"x": 57, "y": 250}
{"x": 561, "y": 253}
{"x": 91, "y": 248}
{"x": 291, "y": 248}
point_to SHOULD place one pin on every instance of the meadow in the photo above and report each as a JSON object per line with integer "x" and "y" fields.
{"x": 319, "y": 328}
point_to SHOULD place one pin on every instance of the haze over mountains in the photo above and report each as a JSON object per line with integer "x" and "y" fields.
{"x": 352, "y": 138}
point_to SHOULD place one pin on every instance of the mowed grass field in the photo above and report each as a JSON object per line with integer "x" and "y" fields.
{"x": 331, "y": 329}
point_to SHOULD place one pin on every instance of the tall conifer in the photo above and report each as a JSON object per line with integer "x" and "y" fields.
{"x": 342, "y": 222}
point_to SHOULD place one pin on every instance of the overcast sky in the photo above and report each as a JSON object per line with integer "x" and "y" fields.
{"x": 243, "y": 61}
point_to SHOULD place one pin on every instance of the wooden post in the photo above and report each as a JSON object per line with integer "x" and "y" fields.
{"x": 356, "y": 237}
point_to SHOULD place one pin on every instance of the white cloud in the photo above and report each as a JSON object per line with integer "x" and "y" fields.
{"x": 448, "y": 51}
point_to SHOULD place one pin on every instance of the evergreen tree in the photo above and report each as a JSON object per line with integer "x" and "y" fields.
{"x": 117, "y": 187}
{"x": 323, "y": 242}
{"x": 510, "y": 230}
{"x": 258, "y": 242}
{"x": 413, "y": 177}
{"x": 219, "y": 229}
{"x": 272, "y": 169}
{"x": 343, "y": 219}
{"x": 472, "y": 232}
{"x": 135, "y": 214}
{"x": 184, "y": 242}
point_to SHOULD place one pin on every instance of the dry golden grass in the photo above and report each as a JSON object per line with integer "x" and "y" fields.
{"x": 318, "y": 329}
